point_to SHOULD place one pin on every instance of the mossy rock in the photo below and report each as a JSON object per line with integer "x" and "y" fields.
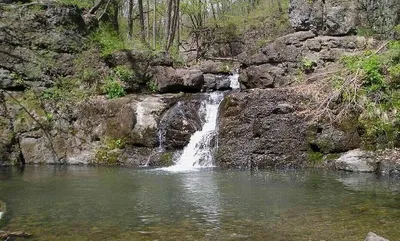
{"x": 166, "y": 159}
{"x": 107, "y": 157}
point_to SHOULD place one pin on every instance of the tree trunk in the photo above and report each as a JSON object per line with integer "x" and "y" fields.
{"x": 97, "y": 6}
{"x": 130, "y": 19}
{"x": 155, "y": 25}
{"x": 148, "y": 23}
{"x": 168, "y": 22}
{"x": 141, "y": 18}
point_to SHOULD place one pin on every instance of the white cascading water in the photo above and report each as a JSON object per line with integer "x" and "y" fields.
{"x": 234, "y": 79}
{"x": 199, "y": 152}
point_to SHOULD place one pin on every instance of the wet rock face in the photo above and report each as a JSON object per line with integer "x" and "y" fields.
{"x": 262, "y": 128}
{"x": 179, "y": 123}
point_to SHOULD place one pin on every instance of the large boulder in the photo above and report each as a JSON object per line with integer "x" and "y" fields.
{"x": 357, "y": 161}
{"x": 170, "y": 80}
{"x": 216, "y": 82}
{"x": 179, "y": 123}
{"x": 373, "y": 237}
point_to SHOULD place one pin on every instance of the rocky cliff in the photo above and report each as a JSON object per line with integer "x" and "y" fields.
{"x": 54, "y": 109}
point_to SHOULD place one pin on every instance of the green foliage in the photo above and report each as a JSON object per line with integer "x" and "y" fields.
{"x": 124, "y": 73}
{"x": 307, "y": 64}
{"x": 108, "y": 39}
{"x": 379, "y": 95}
{"x": 78, "y": 3}
{"x": 113, "y": 88}
{"x": 315, "y": 157}
{"x": 65, "y": 91}
{"x": 152, "y": 86}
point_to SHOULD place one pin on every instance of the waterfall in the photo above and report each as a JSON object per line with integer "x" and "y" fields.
{"x": 234, "y": 79}
{"x": 199, "y": 152}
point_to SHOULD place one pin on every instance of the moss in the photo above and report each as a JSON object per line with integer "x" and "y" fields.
{"x": 110, "y": 152}
{"x": 166, "y": 159}
{"x": 315, "y": 157}
{"x": 24, "y": 121}
{"x": 332, "y": 156}
{"x": 106, "y": 156}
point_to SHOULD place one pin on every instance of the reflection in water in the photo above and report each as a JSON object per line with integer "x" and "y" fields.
{"x": 201, "y": 189}
{"x": 100, "y": 203}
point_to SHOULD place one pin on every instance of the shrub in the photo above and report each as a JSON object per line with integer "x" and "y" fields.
{"x": 124, "y": 73}
{"x": 378, "y": 95}
{"x": 113, "y": 88}
{"x": 108, "y": 39}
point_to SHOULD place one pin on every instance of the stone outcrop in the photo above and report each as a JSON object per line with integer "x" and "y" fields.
{"x": 268, "y": 128}
{"x": 38, "y": 44}
{"x": 357, "y": 161}
{"x": 288, "y": 59}
{"x": 325, "y": 17}
{"x": 169, "y": 79}
{"x": 343, "y": 17}
{"x": 98, "y": 131}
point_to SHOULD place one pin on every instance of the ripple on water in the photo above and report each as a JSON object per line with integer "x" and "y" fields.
{"x": 102, "y": 203}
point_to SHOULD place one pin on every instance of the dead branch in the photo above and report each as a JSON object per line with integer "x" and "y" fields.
{"x": 41, "y": 126}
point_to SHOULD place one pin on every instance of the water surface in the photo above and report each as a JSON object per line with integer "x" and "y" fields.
{"x": 111, "y": 203}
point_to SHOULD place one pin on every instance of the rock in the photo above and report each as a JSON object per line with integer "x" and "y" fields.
{"x": 342, "y": 17}
{"x": 281, "y": 63}
{"x": 253, "y": 135}
{"x": 283, "y": 108}
{"x": 330, "y": 17}
{"x": 3, "y": 209}
{"x": 212, "y": 67}
{"x": 389, "y": 162}
{"x": 216, "y": 82}
{"x": 264, "y": 76}
{"x": 170, "y": 80}
{"x": 373, "y": 237}
{"x": 328, "y": 139}
{"x": 28, "y": 50}
{"x": 148, "y": 114}
{"x": 179, "y": 123}
{"x": 356, "y": 161}
{"x": 38, "y": 150}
